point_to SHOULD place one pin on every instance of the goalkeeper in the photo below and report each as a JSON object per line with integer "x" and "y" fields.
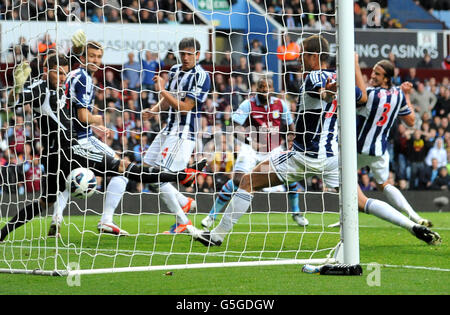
{"x": 61, "y": 150}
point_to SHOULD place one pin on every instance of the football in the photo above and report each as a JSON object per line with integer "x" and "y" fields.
{"x": 81, "y": 183}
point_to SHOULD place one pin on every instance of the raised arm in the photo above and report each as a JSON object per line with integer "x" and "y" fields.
{"x": 410, "y": 118}
{"x": 359, "y": 81}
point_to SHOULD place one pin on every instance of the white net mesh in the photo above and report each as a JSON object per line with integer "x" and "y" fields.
{"x": 240, "y": 43}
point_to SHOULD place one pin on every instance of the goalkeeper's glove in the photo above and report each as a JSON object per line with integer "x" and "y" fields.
{"x": 21, "y": 74}
{"x": 79, "y": 38}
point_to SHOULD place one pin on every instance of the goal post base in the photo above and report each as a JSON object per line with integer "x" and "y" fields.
{"x": 36, "y": 272}
{"x": 334, "y": 270}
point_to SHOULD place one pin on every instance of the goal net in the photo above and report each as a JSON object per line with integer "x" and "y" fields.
{"x": 240, "y": 43}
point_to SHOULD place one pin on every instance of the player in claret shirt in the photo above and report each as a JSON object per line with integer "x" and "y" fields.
{"x": 258, "y": 124}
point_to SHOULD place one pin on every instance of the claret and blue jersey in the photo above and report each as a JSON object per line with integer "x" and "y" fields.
{"x": 194, "y": 83}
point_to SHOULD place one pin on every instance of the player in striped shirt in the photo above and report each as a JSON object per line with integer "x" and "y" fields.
{"x": 182, "y": 97}
{"x": 374, "y": 121}
{"x": 315, "y": 140}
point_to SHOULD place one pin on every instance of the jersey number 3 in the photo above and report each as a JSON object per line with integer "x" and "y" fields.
{"x": 384, "y": 116}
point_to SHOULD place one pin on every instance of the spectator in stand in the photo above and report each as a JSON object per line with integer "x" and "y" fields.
{"x": 259, "y": 72}
{"x": 17, "y": 137}
{"x": 226, "y": 60}
{"x": 25, "y": 9}
{"x": 418, "y": 148}
{"x": 242, "y": 70}
{"x": 148, "y": 15}
{"x": 45, "y": 44}
{"x": 33, "y": 171}
{"x": 151, "y": 65}
{"x": 170, "y": 58}
{"x": 401, "y": 138}
{"x": 256, "y": 52}
{"x": 188, "y": 17}
{"x": 412, "y": 77}
{"x": 15, "y": 56}
{"x": 110, "y": 80}
{"x": 425, "y": 63}
{"x": 323, "y": 24}
{"x": 129, "y": 15}
{"x": 113, "y": 15}
{"x": 442, "y": 181}
{"x": 428, "y": 175}
{"x": 208, "y": 60}
{"x": 288, "y": 18}
{"x": 442, "y": 108}
{"x": 437, "y": 152}
{"x": 131, "y": 73}
{"x": 99, "y": 16}
{"x": 423, "y": 100}
{"x": 140, "y": 148}
{"x": 365, "y": 183}
{"x": 393, "y": 59}
{"x": 397, "y": 79}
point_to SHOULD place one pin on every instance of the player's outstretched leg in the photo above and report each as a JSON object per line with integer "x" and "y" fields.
{"x": 25, "y": 214}
{"x": 298, "y": 217}
{"x": 151, "y": 175}
{"x": 58, "y": 209}
{"x": 114, "y": 193}
{"x": 221, "y": 201}
{"x": 384, "y": 211}
{"x": 399, "y": 202}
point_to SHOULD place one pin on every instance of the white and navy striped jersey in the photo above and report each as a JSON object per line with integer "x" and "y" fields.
{"x": 194, "y": 83}
{"x": 376, "y": 117}
{"x": 315, "y": 119}
{"x": 79, "y": 91}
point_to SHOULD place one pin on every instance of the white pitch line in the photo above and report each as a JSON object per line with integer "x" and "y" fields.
{"x": 414, "y": 267}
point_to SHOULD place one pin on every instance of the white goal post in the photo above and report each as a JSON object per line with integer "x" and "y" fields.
{"x": 266, "y": 235}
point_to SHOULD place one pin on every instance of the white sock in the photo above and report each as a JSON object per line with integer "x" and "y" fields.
{"x": 182, "y": 199}
{"x": 384, "y": 211}
{"x": 236, "y": 208}
{"x": 399, "y": 202}
{"x": 114, "y": 193}
{"x": 59, "y": 206}
{"x": 169, "y": 197}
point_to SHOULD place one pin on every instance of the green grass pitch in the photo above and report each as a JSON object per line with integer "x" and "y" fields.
{"x": 408, "y": 266}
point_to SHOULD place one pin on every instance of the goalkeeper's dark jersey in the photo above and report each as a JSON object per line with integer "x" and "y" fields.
{"x": 53, "y": 115}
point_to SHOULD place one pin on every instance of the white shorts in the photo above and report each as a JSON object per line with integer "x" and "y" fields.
{"x": 94, "y": 144}
{"x": 248, "y": 158}
{"x": 171, "y": 152}
{"x": 293, "y": 166}
{"x": 379, "y": 166}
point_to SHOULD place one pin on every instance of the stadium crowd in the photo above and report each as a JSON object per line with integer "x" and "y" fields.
{"x": 420, "y": 157}
{"x": 98, "y": 11}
